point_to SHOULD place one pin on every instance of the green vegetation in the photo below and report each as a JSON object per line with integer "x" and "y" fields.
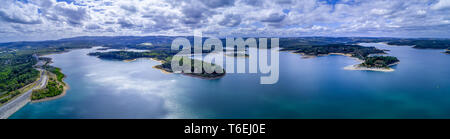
{"x": 55, "y": 85}
{"x": 17, "y": 74}
{"x": 57, "y": 71}
{"x": 16, "y": 71}
{"x": 53, "y": 88}
{"x": 355, "y": 50}
{"x": 59, "y": 74}
{"x": 6, "y": 97}
{"x": 379, "y": 61}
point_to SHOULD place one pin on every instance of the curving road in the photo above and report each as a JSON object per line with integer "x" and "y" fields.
{"x": 11, "y": 107}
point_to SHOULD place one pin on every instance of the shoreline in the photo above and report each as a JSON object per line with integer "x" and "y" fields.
{"x": 65, "y": 87}
{"x": 65, "y": 51}
{"x": 161, "y": 69}
{"x": 160, "y": 61}
{"x": 352, "y": 67}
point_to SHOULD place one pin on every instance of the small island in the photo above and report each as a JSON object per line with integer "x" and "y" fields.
{"x": 376, "y": 63}
{"x": 164, "y": 57}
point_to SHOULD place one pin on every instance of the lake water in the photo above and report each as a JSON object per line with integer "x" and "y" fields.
{"x": 307, "y": 88}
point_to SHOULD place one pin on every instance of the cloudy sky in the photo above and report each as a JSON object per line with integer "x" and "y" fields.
{"x": 55, "y": 19}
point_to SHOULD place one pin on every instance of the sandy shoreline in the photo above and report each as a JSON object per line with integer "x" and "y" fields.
{"x": 131, "y": 60}
{"x": 160, "y": 61}
{"x": 161, "y": 69}
{"x": 357, "y": 67}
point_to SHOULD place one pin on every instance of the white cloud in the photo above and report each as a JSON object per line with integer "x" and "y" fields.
{"x": 20, "y": 13}
{"x": 442, "y": 4}
{"x": 45, "y": 19}
{"x": 379, "y": 11}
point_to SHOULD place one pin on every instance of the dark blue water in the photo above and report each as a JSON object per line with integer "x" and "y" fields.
{"x": 307, "y": 88}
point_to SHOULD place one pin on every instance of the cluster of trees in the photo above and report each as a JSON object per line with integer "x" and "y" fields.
{"x": 6, "y": 97}
{"x": 16, "y": 71}
{"x": 57, "y": 71}
{"x": 379, "y": 61}
{"x": 52, "y": 89}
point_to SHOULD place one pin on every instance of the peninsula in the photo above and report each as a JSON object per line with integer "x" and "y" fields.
{"x": 55, "y": 87}
{"x": 373, "y": 63}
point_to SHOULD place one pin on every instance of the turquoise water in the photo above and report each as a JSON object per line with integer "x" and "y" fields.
{"x": 307, "y": 88}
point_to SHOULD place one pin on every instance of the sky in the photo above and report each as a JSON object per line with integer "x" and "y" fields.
{"x": 32, "y": 20}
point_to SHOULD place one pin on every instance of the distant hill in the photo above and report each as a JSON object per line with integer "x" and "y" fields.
{"x": 164, "y": 42}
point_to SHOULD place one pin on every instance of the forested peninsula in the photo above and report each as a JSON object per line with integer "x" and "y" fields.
{"x": 375, "y": 63}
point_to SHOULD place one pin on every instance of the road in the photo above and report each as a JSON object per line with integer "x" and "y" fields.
{"x": 13, "y": 106}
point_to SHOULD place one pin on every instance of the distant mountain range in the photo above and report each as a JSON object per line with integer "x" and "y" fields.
{"x": 165, "y": 41}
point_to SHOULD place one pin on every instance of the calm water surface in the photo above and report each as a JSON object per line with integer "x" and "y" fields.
{"x": 307, "y": 88}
